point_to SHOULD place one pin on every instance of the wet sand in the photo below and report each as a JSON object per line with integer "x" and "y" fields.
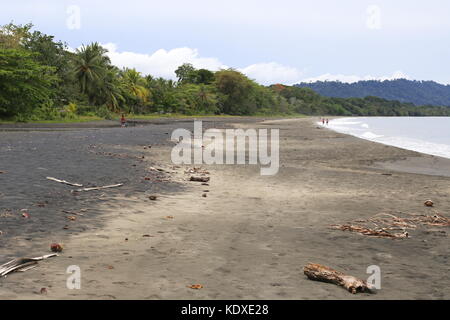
{"x": 248, "y": 239}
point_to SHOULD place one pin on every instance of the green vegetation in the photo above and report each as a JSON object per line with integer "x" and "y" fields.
{"x": 41, "y": 80}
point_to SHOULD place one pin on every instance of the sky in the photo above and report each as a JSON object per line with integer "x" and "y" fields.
{"x": 283, "y": 41}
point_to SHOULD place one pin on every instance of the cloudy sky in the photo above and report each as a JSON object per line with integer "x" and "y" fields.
{"x": 271, "y": 41}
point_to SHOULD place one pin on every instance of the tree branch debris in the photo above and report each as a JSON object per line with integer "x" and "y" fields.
{"x": 385, "y": 223}
{"x": 22, "y": 264}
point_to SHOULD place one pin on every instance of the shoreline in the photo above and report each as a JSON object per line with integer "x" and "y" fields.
{"x": 272, "y": 227}
{"x": 402, "y": 145}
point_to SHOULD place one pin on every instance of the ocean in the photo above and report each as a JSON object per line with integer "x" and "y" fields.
{"x": 430, "y": 135}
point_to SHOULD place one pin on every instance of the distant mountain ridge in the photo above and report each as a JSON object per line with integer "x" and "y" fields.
{"x": 403, "y": 90}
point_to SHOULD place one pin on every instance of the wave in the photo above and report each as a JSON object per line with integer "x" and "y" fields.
{"x": 370, "y": 135}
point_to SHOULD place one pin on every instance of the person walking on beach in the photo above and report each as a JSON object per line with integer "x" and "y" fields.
{"x": 327, "y": 121}
{"x": 123, "y": 121}
{"x": 323, "y": 121}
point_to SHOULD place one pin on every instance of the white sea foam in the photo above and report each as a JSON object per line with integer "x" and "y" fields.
{"x": 370, "y": 135}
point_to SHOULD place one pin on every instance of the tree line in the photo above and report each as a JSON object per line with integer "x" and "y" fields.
{"x": 41, "y": 79}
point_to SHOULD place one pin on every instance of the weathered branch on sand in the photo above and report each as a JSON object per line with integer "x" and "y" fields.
{"x": 322, "y": 273}
{"x": 386, "y": 222}
{"x": 100, "y": 188}
{"x": 200, "y": 179}
{"x": 370, "y": 232}
{"x": 21, "y": 264}
{"x": 65, "y": 182}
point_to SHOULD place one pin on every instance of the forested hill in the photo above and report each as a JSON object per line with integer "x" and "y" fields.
{"x": 417, "y": 92}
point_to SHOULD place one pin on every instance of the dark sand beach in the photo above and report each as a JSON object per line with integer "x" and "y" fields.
{"x": 249, "y": 238}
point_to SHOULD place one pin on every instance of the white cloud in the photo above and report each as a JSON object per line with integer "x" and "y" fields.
{"x": 355, "y": 78}
{"x": 161, "y": 63}
{"x": 272, "y": 72}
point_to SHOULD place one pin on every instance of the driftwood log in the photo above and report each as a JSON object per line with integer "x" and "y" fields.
{"x": 65, "y": 182}
{"x": 158, "y": 169}
{"x": 21, "y": 264}
{"x": 200, "y": 179}
{"x": 325, "y": 274}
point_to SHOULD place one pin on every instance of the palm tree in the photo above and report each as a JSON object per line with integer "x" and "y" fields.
{"x": 112, "y": 91}
{"x": 91, "y": 65}
{"x": 135, "y": 84}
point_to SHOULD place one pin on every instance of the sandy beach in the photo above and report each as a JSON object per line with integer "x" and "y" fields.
{"x": 243, "y": 236}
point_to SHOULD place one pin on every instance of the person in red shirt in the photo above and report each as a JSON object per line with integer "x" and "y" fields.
{"x": 123, "y": 121}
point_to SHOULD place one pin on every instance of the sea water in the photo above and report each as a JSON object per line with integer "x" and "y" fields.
{"x": 429, "y": 135}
